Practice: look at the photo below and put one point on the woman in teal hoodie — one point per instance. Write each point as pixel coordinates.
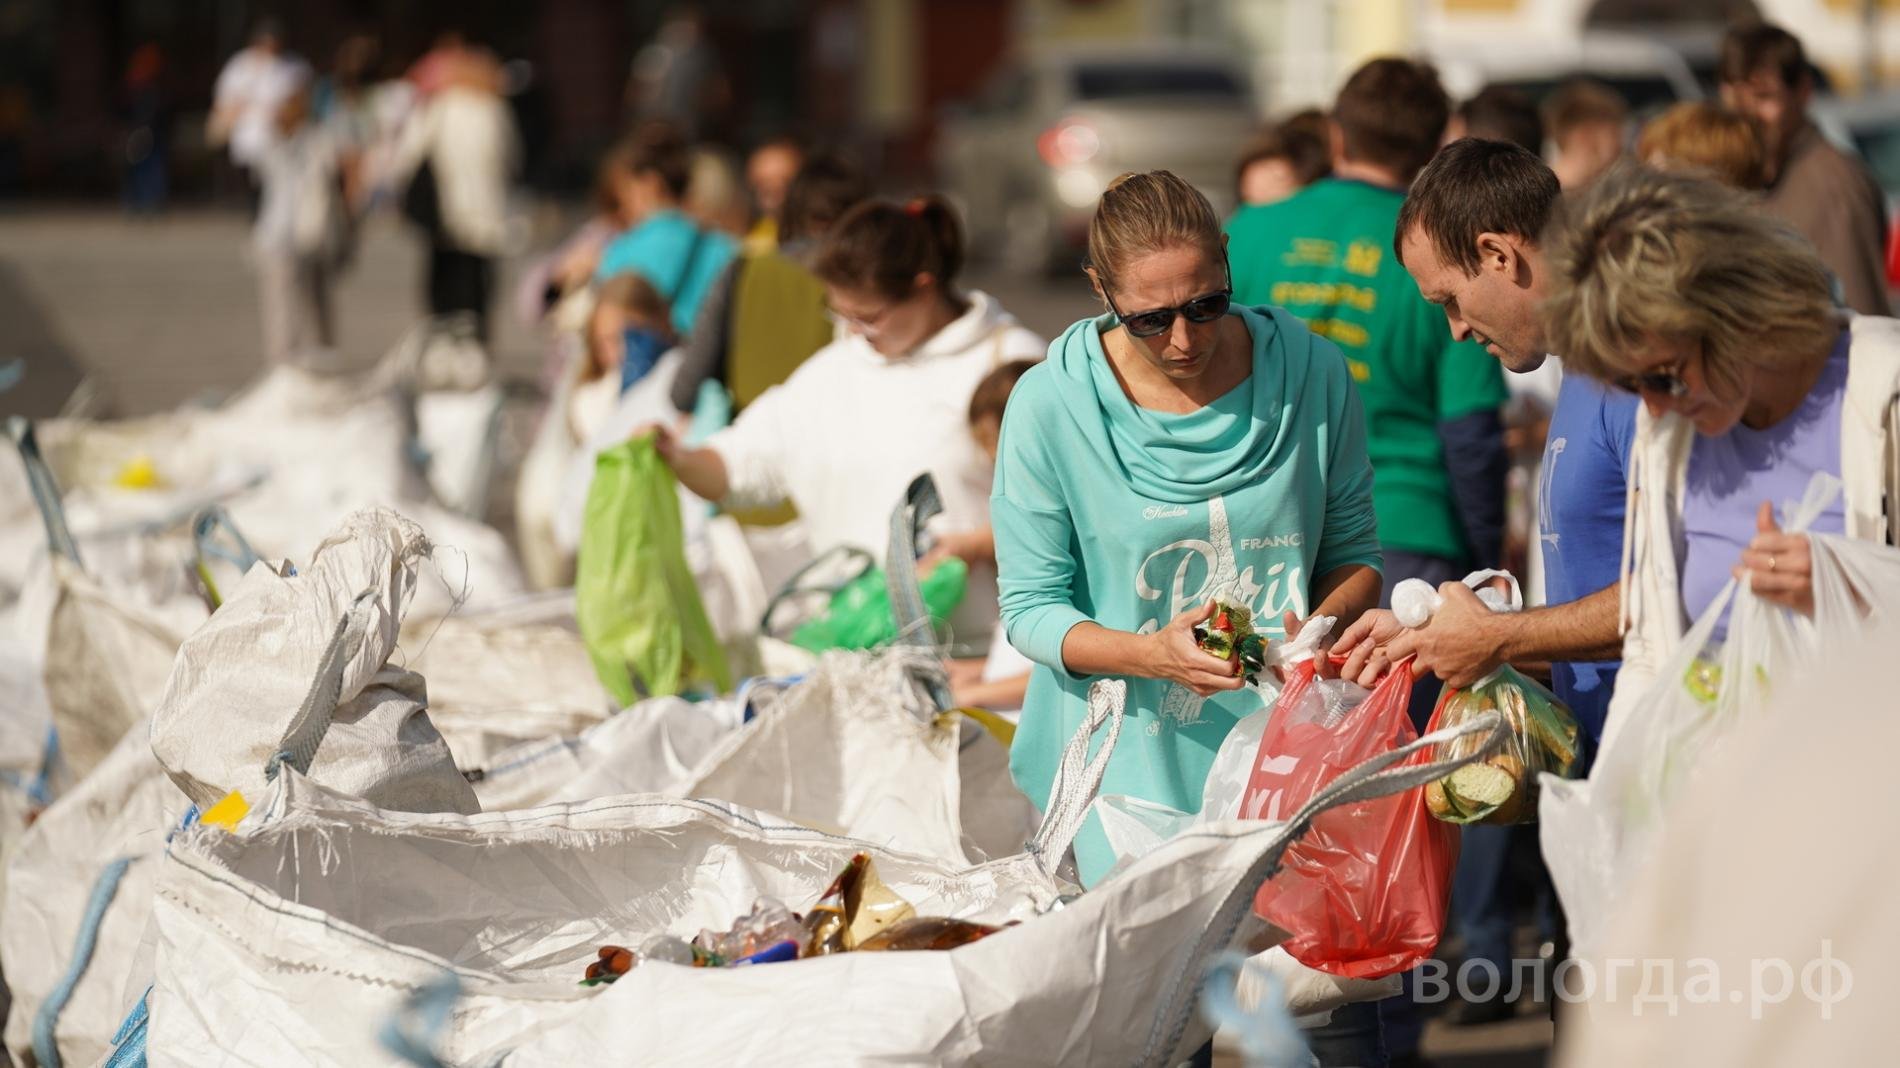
(1172, 453)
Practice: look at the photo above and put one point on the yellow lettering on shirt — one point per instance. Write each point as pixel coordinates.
(1330, 294)
(1311, 252)
(1351, 335)
(1362, 258)
(1361, 370)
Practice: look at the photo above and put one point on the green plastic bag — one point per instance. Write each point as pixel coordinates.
(860, 617)
(634, 596)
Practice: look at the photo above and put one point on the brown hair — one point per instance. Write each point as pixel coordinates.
(1747, 50)
(1474, 186)
(1709, 138)
(1143, 213)
(1391, 113)
(632, 293)
(825, 188)
(660, 148)
(1300, 140)
(1582, 102)
(992, 394)
(1643, 255)
(1504, 113)
(882, 245)
(614, 163)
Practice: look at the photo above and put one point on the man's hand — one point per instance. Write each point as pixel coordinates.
(1460, 644)
(1364, 646)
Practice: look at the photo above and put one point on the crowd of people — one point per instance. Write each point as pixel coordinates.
(1350, 381)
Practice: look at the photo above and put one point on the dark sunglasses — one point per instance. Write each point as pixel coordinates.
(1664, 383)
(1202, 309)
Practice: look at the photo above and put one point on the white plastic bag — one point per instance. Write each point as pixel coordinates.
(291, 942)
(1597, 833)
(312, 650)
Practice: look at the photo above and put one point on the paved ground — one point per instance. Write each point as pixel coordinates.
(160, 313)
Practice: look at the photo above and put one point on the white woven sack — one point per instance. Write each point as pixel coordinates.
(255, 664)
(495, 685)
(122, 811)
(292, 942)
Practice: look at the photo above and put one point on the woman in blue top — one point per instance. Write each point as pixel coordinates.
(677, 255)
(1172, 453)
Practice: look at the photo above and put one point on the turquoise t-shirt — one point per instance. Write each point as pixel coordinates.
(681, 259)
(1127, 517)
(1325, 254)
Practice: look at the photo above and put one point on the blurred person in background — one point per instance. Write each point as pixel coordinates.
(766, 313)
(678, 255)
(249, 90)
(1829, 196)
(1469, 235)
(1433, 404)
(1175, 451)
(439, 67)
(570, 266)
(301, 234)
(1698, 137)
(716, 197)
(1722, 319)
(460, 152)
(344, 98)
(677, 78)
(1499, 113)
(1290, 156)
(629, 321)
(147, 136)
(999, 680)
(769, 172)
(1585, 121)
(845, 435)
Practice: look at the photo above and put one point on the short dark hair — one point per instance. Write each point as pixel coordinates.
(1391, 113)
(662, 149)
(1761, 46)
(1581, 102)
(1476, 186)
(1504, 113)
(992, 394)
(825, 187)
(1300, 139)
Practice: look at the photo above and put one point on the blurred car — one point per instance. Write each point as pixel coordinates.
(1648, 75)
(1029, 157)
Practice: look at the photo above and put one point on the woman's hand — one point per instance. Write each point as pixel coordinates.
(1175, 655)
(973, 547)
(1778, 567)
(665, 441)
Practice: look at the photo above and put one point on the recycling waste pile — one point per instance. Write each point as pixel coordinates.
(295, 770)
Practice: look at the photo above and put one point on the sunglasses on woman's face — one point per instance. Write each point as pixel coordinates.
(1202, 309)
(1665, 382)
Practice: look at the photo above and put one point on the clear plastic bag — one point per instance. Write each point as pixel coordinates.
(1502, 788)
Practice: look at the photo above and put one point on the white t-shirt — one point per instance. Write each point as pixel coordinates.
(256, 83)
(845, 435)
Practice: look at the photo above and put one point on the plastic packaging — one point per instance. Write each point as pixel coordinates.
(926, 932)
(1502, 788)
(859, 616)
(768, 924)
(1364, 891)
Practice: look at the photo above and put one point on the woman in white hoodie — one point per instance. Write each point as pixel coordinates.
(1752, 379)
(885, 402)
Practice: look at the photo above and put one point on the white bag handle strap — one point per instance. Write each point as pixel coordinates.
(1371, 779)
(1079, 779)
(299, 745)
(1477, 579)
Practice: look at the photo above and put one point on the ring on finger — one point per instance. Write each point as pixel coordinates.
(1771, 561)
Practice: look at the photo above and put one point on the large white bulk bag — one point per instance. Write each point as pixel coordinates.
(312, 650)
(293, 941)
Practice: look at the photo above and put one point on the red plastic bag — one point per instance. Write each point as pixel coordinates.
(1364, 891)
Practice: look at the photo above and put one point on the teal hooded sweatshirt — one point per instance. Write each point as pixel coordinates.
(1126, 517)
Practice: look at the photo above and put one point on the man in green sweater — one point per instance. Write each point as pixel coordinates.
(1432, 405)
(1433, 428)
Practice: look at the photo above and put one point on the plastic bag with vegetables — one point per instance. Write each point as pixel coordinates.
(1543, 735)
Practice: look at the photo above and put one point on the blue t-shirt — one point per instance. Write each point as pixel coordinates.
(679, 258)
(1580, 512)
(1730, 476)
